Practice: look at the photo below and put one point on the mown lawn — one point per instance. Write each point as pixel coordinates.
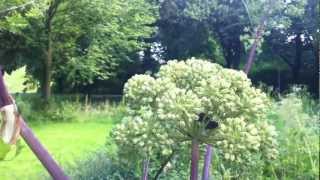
(66, 141)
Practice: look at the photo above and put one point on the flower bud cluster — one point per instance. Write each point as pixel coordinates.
(164, 109)
(269, 144)
(238, 139)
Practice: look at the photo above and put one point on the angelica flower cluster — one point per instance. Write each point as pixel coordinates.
(164, 111)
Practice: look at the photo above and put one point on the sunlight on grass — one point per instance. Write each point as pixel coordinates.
(67, 142)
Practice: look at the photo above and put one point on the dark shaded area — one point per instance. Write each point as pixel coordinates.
(207, 121)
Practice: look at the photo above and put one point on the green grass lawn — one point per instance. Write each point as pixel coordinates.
(67, 142)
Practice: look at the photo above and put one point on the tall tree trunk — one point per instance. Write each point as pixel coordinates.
(232, 53)
(226, 47)
(316, 50)
(47, 69)
(228, 57)
(257, 39)
(51, 12)
(253, 49)
(297, 62)
(194, 160)
(318, 44)
(237, 48)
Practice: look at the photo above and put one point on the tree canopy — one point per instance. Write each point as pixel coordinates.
(96, 46)
(77, 41)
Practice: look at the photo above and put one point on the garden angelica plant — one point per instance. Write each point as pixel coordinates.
(197, 102)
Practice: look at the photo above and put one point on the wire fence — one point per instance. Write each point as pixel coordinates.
(81, 98)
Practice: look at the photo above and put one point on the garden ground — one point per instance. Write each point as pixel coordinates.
(67, 142)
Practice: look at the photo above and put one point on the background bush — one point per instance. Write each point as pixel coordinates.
(99, 166)
(297, 118)
(64, 109)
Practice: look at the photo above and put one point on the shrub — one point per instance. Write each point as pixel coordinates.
(297, 118)
(33, 108)
(99, 166)
(61, 109)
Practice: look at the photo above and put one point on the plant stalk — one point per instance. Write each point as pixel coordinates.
(163, 165)
(194, 160)
(207, 163)
(145, 169)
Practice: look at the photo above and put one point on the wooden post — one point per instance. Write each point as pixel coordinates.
(42, 154)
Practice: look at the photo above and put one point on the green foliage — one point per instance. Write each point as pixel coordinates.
(273, 14)
(89, 38)
(64, 109)
(164, 112)
(99, 166)
(235, 23)
(10, 9)
(34, 108)
(296, 117)
(112, 40)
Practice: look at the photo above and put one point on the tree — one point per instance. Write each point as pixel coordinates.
(273, 15)
(38, 30)
(243, 23)
(110, 50)
(79, 41)
(7, 7)
(294, 42)
(182, 36)
(228, 20)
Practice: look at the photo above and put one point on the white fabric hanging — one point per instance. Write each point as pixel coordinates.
(9, 123)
